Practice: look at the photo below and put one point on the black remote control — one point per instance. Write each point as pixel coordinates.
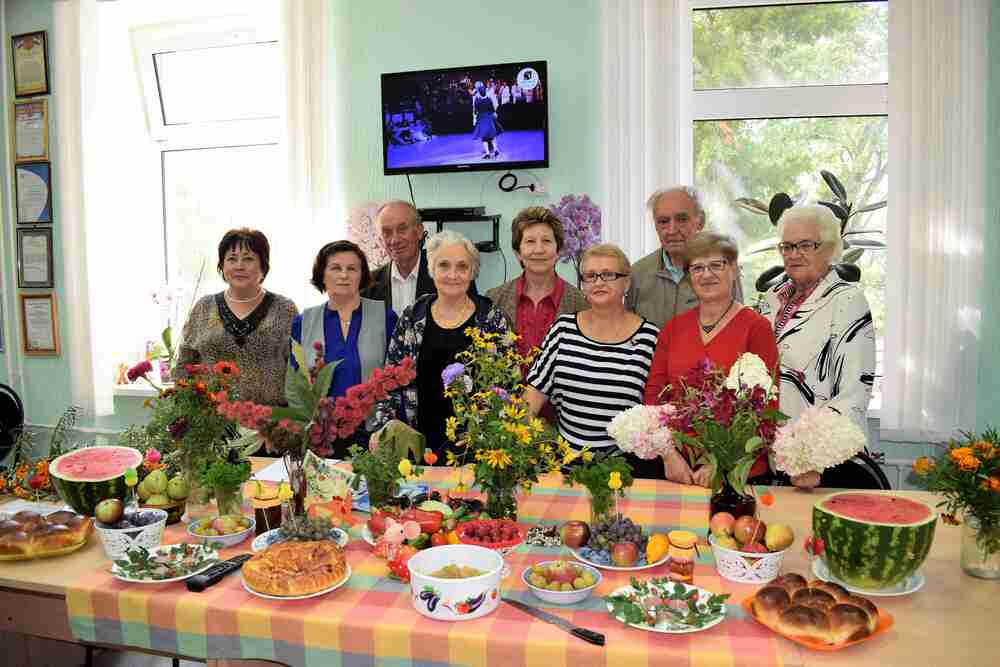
(214, 574)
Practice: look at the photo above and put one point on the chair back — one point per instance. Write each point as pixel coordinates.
(11, 419)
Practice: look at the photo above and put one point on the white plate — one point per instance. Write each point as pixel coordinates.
(911, 584)
(672, 628)
(636, 568)
(366, 535)
(337, 585)
(213, 559)
(264, 540)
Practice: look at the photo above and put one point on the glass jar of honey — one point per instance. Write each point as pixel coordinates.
(682, 554)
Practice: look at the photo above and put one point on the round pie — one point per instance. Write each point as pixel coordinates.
(295, 568)
(28, 534)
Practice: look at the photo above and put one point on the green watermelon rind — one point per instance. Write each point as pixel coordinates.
(872, 555)
(83, 495)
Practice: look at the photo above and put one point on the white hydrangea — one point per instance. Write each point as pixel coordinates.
(643, 430)
(819, 439)
(749, 371)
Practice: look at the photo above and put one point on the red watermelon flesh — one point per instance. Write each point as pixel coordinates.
(86, 476)
(877, 508)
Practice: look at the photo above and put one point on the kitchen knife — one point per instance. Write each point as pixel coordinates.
(584, 634)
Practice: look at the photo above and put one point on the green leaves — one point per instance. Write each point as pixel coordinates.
(628, 606)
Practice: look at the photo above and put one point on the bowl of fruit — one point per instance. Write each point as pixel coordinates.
(746, 549)
(120, 530)
(613, 544)
(156, 491)
(502, 535)
(560, 581)
(222, 531)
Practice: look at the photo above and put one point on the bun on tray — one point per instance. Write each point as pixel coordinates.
(816, 610)
(30, 535)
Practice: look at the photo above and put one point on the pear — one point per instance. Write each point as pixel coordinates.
(143, 490)
(156, 482)
(778, 537)
(177, 488)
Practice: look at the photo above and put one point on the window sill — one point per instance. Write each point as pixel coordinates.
(138, 390)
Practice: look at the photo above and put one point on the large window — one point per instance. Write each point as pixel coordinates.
(779, 93)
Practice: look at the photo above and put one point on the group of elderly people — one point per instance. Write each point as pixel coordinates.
(630, 334)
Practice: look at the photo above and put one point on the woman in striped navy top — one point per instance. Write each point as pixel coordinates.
(594, 364)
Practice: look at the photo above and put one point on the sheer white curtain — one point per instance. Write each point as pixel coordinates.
(646, 122)
(937, 115)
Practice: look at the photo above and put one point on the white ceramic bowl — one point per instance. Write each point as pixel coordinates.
(563, 597)
(455, 599)
(220, 541)
(117, 541)
(746, 567)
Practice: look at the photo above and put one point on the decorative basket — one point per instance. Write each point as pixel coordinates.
(746, 567)
(117, 541)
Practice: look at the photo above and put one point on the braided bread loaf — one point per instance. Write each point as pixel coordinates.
(28, 534)
(816, 610)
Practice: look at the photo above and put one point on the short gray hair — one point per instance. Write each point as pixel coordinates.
(446, 239)
(398, 202)
(826, 223)
(690, 191)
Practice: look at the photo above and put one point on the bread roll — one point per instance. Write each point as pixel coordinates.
(28, 535)
(869, 608)
(799, 621)
(791, 582)
(768, 604)
(848, 623)
(839, 593)
(62, 516)
(815, 598)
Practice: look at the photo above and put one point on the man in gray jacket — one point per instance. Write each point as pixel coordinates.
(661, 287)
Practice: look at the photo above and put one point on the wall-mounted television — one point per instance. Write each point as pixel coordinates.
(483, 118)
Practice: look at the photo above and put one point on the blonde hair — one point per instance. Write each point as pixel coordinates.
(607, 250)
(704, 244)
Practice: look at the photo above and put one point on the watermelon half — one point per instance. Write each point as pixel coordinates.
(873, 540)
(86, 476)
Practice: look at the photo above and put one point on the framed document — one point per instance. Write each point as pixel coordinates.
(31, 130)
(34, 257)
(29, 53)
(33, 188)
(39, 325)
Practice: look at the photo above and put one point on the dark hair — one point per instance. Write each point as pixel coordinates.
(252, 240)
(536, 215)
(330, 249)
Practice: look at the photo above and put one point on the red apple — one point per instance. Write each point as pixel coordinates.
(748, 529)
(624, 554)
(109, 510)
(721, 524)
(754, 548)
(562, 572)
(575, 534)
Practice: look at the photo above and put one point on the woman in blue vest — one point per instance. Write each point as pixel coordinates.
(351, 329)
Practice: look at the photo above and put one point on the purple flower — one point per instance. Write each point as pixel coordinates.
(581, 220)
(502, 393)
(450, 372)
(178, 428)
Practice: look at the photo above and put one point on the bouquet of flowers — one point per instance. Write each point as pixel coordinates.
(644, 430)
(27, 477)
(726, 418)
(581, 221)
(492, 427)
(605, 475)
(313, 420)
(819, 439)
(386, 461)
(967, 474)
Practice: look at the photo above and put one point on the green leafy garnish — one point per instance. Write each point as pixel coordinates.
(628, 607)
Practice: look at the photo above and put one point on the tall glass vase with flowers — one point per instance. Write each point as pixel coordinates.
(491, 427)
(313, 421)
(606, 476)
(967, 474)
(726, 421)
(186, 427)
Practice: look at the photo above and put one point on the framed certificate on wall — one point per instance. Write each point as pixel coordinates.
(29, 54)
(34, 257)
(39, 325)
(33, 188)
(31, 130)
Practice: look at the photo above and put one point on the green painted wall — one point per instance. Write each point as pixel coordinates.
(988, 408)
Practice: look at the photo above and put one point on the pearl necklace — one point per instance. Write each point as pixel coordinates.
(253, 298)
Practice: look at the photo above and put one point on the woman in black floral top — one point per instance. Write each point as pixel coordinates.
(244, 324)
(432, 331)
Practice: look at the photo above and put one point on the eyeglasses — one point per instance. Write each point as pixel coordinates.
(804, 247)
(714, 266)
(605, 276)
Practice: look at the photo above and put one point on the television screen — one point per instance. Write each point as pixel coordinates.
(465, 119)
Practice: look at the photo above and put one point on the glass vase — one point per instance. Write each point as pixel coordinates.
(603, 507)
(728, 500)
(198, 504)
(501, 503)
(229, 501)
(980, 551)
(380, 492)
(295, 466)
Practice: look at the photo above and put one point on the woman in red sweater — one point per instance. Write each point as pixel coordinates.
(719, 329)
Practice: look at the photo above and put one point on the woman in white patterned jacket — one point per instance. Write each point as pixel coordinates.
(823, 325)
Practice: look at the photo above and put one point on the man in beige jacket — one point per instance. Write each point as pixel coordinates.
(661, 287)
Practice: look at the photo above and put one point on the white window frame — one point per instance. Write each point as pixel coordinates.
(804, 101)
